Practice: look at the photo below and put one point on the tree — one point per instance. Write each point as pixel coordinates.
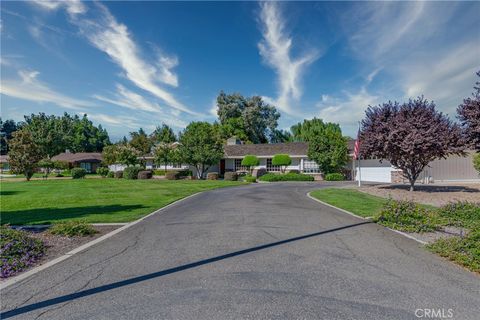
(469, 115)
(48, 134)
(250, 161)
(141, 143)
(410, 136)
(7, 128)
(200, 146)
(309, 129)
(164, 154)
(47, 165)
(110, 155)
(163, 134)
(282, 160)
(280, 136)
(24, 154)
(119, 153)
(254, 118)
(85, 137)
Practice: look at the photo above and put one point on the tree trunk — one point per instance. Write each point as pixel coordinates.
(412, 184)
(165, 168)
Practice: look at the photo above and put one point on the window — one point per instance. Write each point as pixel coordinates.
(87, 166)
(310, 166)
(238, 165)
(271, 167)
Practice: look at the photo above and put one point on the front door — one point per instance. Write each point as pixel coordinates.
(222, 166)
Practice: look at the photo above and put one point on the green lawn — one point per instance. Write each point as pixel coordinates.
(357, 202)
(92, 200)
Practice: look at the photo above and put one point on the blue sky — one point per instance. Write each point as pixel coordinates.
(138, 64)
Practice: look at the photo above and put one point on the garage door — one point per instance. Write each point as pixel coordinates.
(376, 174)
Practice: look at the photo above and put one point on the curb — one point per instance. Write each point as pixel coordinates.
(367, 218)
(87, 245)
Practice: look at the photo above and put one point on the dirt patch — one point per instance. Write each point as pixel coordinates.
(60, 245)
(435, 195)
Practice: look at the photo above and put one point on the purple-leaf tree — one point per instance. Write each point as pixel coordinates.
(469, 115)
(409, 135)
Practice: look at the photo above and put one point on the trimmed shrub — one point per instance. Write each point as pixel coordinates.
(159, 172)
(249, 178)
(18, 250)
(230, 176)
(272, 177)
(407, 216)
(103, 171)
(212, 176)
(145, 174)
(172, 175)
(282, 160)
(119, 174)
(131, 173)
(334, 176)
(250, 161)
(111, 174)
(78, 173)
(72, 229)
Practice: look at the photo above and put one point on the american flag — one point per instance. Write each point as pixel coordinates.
(356, 148)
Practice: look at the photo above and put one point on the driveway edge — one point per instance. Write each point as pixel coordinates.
(87, 245)
(367, 218)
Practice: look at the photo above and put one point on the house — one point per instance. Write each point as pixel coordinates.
(452, 169)
(89, 161)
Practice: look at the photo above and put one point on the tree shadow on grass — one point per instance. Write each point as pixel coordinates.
(8, 193)
(150, 276)
(432, 189)
(51, 215)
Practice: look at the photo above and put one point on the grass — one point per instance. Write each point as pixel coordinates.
(92, 200)
(357, 202)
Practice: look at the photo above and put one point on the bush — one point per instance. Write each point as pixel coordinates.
(172, 175)
(119, 174)
(249, 178)
(407, 216)
(461, 214)
(18, 250)
(476, 162)
(281, 160)
(145, 174)
(131, 173)
(78, 173)
(184, 173)
(159, 172)
(72, 229)
(272, 177)
(59, 175)
(212, 176)
(111, 174)
(334, 176)
(463, 250)
(103, 171)
(230, 176)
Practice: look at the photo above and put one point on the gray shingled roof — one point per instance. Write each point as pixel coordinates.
(291, 148)
(79, 157)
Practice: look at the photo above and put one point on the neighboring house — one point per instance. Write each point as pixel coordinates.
(89, 161)
(4, 165)
(452, 169)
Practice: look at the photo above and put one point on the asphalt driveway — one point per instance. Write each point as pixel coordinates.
(262, 251)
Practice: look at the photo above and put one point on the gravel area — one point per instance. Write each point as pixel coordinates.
(59, 245)
(436, 195)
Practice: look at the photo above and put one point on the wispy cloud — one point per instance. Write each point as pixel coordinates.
(28, 87)
(113, 38)
(275, 49)
(73, 7)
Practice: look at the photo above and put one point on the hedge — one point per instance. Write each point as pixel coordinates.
(272, 177)
(131, 173)
(334, 176)
(78, 173)
(103, 171)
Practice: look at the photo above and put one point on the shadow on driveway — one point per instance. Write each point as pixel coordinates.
(123, 283)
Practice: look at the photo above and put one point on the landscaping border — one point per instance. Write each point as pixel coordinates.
(87, 245)
(365, 218)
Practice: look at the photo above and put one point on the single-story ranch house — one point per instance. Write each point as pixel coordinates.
(89, 161)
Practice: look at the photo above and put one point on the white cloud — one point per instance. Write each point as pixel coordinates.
(275, 48)
(113, 38)
(73, 7)
(28, 87)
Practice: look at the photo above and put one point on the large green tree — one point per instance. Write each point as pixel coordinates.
(200, 146)
(141, 142)
(24, 153)
(7, 128)
(163, 134)
(308, 129)
(254, 119)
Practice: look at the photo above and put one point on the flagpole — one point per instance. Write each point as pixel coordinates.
(359, 166)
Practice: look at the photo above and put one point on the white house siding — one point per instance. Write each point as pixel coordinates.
(150, 165)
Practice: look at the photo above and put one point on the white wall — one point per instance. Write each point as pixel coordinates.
(374, 171)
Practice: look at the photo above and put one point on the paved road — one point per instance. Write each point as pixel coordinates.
(261, 251)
